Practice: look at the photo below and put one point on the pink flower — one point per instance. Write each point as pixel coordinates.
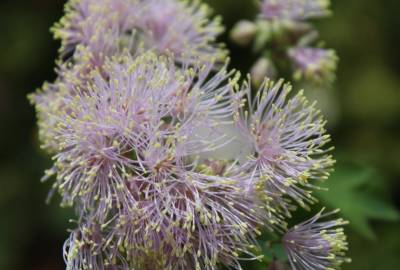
(316, 245)
(288, 139)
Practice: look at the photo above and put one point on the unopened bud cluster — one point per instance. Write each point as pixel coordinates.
(284, 37)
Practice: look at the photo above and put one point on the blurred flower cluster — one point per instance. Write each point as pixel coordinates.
(143, 104)
(285, 40)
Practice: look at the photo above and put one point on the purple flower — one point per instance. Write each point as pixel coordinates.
(127, 158)
(181, 28)
(188, 220)
(47, 101)
(316, 245)
(294, 10)
(137, 122)
(96, 25)
(93, 30)
(288, 139)
(50, 101)
(91, 247)
(314, 64)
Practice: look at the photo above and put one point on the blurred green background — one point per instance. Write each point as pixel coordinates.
(363, 109)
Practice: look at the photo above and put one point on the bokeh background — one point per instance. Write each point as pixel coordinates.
(363, 109)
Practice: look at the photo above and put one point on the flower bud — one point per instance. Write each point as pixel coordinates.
(261, 69)
(314, 64)
(243, 32)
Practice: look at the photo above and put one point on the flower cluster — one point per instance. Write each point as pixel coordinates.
(134, 121)
(284, 37)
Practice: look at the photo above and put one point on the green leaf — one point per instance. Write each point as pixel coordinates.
(263, 36)
(279, 252)
(348, 192)
(271, 251)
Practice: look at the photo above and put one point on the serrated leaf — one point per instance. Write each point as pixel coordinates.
(381, 210)
(358, 205)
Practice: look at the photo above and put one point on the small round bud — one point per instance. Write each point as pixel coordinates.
(261, 69)
(243, 32)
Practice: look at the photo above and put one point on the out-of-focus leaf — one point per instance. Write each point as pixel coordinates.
(279, 252)
(277, 265)
(263, 35)
(271, 252)
(381, 210)
(381, 107)
(347, 191)
(254, 265)
(382, 256)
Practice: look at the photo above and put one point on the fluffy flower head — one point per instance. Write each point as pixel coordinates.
(316, 245)
(288, 138)
(181, 28)
(94, 24)
(127, 157)
(97, 29)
